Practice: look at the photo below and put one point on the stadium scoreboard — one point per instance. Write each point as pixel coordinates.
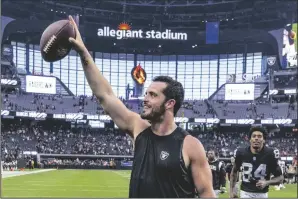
(40, 84)
(239, 91)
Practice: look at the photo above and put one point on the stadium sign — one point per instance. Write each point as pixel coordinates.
(282, 121)
(290, 91)
(207, 120)
(40, 84)
(181, 119)
(79, 117)
(267, 121)
(124, 32)
(4, 112)
(32, 114)
(99, 117)
(277, 121)
(212, 121)
(10, 82)
(273, 92)
(231, 121)
(69, 116)
(200, 120)
(74, 116)
(282, 92)
(245, 121)
(59, 116)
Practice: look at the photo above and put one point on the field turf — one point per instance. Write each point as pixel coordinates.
(88, 183)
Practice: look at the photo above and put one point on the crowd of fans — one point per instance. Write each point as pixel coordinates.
(52, 138)
(285, 81)
(59, 139)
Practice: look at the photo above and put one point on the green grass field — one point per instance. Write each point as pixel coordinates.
(296, 31)
(87, 183)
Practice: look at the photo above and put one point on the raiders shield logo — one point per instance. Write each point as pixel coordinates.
(164, 155)
(271, 61)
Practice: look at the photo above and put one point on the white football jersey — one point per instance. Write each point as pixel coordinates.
(282, 165)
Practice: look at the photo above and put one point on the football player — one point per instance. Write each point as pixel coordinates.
(282, 165)
(218, 172)
(258, 162)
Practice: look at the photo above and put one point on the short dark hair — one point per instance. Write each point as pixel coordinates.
(215, 152)
(258, 128)
(174, 90)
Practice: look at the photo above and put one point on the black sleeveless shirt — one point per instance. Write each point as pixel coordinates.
(159, 170)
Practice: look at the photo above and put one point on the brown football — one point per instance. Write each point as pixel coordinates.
(54, 43)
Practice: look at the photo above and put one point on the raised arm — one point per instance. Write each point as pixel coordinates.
(200, 168)
(124, 118)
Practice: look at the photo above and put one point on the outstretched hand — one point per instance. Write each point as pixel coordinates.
(77, 42)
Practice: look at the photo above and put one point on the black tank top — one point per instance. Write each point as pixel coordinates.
(159, 170)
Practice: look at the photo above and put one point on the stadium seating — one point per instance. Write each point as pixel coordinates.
(191, 109)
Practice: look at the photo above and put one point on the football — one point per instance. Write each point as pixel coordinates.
(54, 44)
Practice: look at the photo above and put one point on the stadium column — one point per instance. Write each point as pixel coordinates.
(244, 59)
(27, 58)
(176, 69)
(218, 65)
(51, 67)
(135, 61)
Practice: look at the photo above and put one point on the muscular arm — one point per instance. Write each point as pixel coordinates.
(276, 180)
(200, 168)
(233, 179)
(276, 171)
(125, 119)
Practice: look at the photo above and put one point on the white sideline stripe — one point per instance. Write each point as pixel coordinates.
(73, 190)
(61, 182)
(122, 174)
(10, 174)
(63, 185)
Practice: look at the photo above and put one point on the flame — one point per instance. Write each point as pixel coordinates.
(139, 74)
(124, 26)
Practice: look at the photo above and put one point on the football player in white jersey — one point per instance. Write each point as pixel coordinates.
(282, 165)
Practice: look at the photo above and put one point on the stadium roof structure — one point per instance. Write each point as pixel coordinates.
(170, 14)
(241, 21)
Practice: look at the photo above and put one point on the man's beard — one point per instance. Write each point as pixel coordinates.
(211, 159)
(155, 115)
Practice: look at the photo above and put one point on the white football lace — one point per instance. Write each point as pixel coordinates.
(49, 44)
